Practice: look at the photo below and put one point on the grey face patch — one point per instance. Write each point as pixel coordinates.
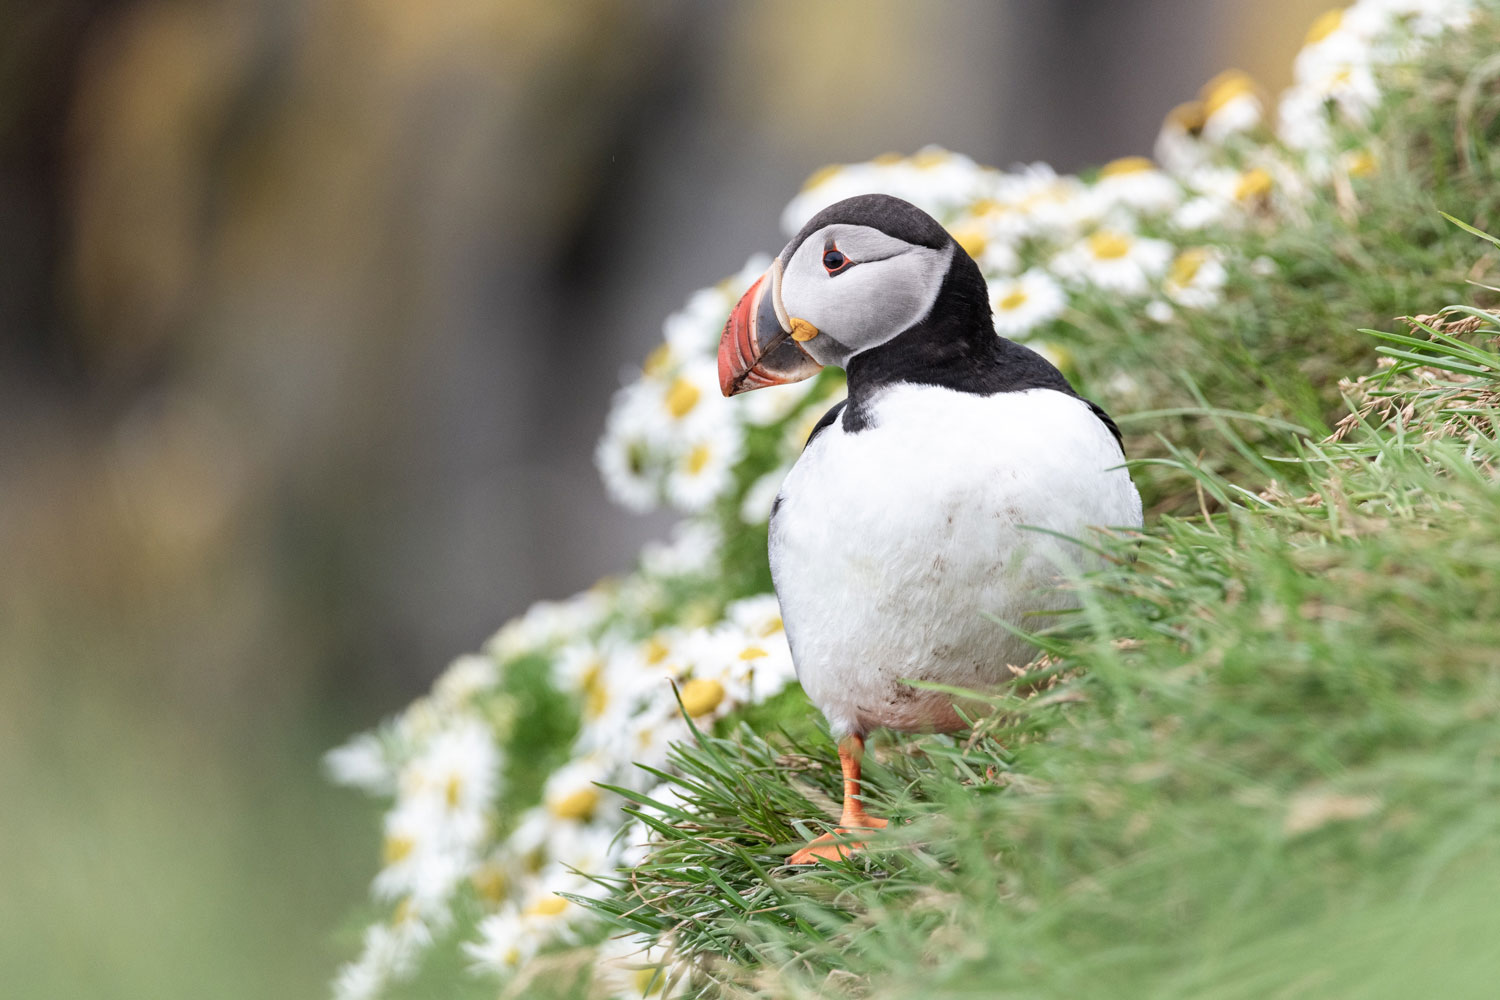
(890, 285)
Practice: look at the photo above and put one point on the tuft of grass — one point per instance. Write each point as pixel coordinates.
(1304, 280)
(1264, 759)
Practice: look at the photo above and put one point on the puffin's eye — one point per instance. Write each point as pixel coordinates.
(834, 261)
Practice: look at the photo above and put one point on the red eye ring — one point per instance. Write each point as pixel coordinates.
(834, 261)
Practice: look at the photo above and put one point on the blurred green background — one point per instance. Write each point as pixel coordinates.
(309, 314)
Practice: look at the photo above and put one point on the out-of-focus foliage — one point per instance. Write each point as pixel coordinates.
(1212, 300)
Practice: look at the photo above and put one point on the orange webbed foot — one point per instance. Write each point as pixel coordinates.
(838, 845)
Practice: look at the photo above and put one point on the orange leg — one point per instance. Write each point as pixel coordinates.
(832, 846)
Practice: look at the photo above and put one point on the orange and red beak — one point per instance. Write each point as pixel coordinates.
(757, 348)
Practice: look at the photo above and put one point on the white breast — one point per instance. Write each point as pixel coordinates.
(891, 545)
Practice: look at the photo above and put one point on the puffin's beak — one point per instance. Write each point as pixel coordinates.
(757, 348)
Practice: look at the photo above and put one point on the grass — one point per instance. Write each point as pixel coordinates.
(1284, 780)
(1264, 758)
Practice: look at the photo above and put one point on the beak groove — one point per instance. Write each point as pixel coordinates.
(756, 349)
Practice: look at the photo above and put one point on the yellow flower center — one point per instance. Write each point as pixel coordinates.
(697, 459)
(1253, 183)
(1186, 266)
(577, 805)
(1224, 88)
(649, 982)
(821, 176)
(595, 694)
(701, 696)
(682, 397)
(1326, 24)
(1189, 117)
(658, 360)
(1361, 163)
(405, 910)
(1014, 299)
(491, 884)
(453, 791)
(772, 627)
(1126, 165)
(396, 849)
(655, 650)
(551, 906)
(972, 239)
(752, 653)
(1109, 245)
(931, 158)
(887, 159)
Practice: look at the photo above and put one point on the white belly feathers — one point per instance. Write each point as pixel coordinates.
(891, 545)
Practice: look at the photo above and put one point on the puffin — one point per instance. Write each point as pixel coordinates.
(949, 491)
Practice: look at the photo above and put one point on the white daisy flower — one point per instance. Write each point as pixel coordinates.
(590, 850)
(1222, 195)
(761, 667)
(650, 733)
(759, 498)
(998, 257)
(693, 331)
(1196, 278)
(758, 616)
(459, 772)
(440, 820)
(466, 677)
(571, 794)
(692, 549)
(1179, 145)
(362, 763)
(1024, 303)
(939, 182)
(1158, 311)
(624, 457)
(389, 954)
(545, 915)
(1201, 212)
(1231, 106)
(421, 862)
(702, 470)
(505, 942)
(1134, 183)
(689, 395)
(526, 848)
(632, 969)
(549, 623)
(1334, 41)
(1036, 202)
(1114, 260)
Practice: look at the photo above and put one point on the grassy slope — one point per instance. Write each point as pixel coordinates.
(1286, 781)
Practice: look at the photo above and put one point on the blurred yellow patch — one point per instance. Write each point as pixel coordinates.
(1224, 88)
(579, 805)
(1253, 183)
(681, 397)
(1107, 244)
(701, 696)
(1126, 165)
(1324, 25)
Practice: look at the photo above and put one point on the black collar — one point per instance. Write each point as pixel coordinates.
(954, 346)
